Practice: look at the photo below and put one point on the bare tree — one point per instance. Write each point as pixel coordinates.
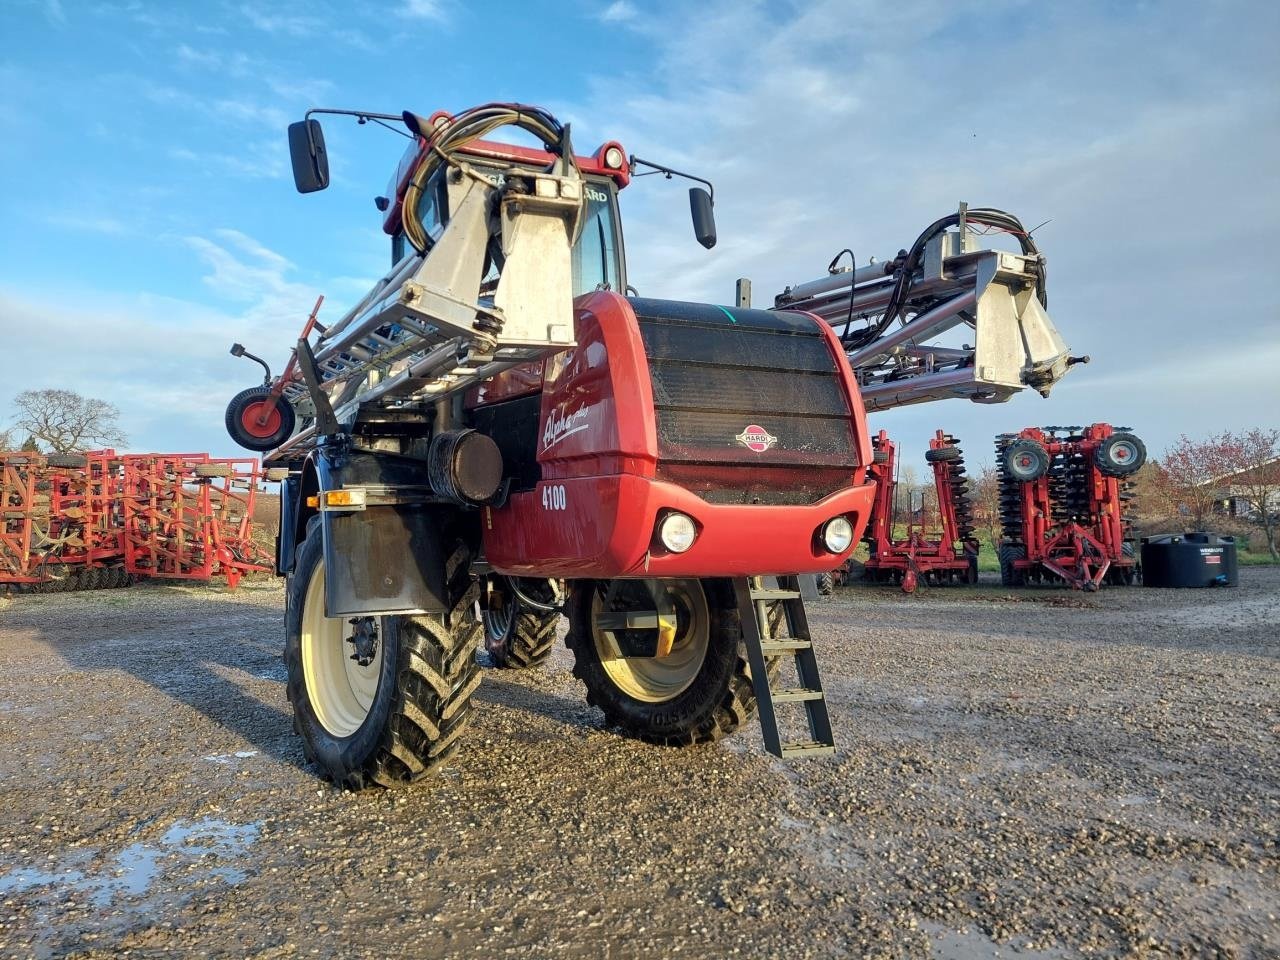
(1192, 475)
(7, 439)
(66, 421)
(984, 494)
(1253, 458)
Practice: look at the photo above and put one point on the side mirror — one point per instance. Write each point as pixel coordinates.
(704, 218)
(306, 150)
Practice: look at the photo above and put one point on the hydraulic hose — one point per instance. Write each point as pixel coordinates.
(444, 141)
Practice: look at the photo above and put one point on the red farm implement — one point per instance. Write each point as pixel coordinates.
(946, 554)
(98, 519)
(1062, 497)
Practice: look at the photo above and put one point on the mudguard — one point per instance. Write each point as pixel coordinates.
(387, 559)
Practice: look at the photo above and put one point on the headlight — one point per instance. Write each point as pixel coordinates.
(613, 158)
(837, 535)
(677, 532)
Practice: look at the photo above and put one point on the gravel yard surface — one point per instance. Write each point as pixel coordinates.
(1037, 774)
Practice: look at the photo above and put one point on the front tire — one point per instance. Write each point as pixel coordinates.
(396, 715)
(700, 692)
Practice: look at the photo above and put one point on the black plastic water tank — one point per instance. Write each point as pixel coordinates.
(1190, 560)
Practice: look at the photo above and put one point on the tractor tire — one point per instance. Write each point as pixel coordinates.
(700, 693)
(1120, 455)
(516, 635)
(68, 461)
(942, 455)
(396, 718)
(1010, 576)
(242, 420)
(826, 583)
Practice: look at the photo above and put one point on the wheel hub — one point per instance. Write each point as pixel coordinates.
(365, 640)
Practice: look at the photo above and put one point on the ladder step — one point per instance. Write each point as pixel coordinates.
(775, 594)
(795, 695)
(785, 645)
(807, 748)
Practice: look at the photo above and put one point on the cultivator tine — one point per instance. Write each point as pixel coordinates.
(87, 520)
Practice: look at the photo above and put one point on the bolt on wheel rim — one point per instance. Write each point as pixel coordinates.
(658, 679)
(340, 691)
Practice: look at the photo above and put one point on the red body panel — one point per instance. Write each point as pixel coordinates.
(594, 512)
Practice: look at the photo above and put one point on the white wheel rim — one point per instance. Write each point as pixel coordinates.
(340, 691)
(658, 679)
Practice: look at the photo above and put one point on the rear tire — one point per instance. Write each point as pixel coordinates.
(396, 719)
(650, 703)
(826, 584)
(517, 636)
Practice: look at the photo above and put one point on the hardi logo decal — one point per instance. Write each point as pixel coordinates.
(756, 438)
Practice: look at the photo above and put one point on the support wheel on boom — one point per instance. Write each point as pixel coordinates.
(378, 700)
(517, 635)
(698, 691)
(257, 422)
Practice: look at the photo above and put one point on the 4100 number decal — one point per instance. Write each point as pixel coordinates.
(553, 497)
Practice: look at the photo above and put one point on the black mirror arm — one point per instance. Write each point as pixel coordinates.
(362, 116)
(668, 172)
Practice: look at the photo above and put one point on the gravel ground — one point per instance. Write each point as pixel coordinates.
(1038, 775)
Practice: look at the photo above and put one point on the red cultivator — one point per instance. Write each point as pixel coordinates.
(98, 519)
(1062, 495)
(951, 553)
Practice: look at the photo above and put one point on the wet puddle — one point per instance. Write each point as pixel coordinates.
(132, 871)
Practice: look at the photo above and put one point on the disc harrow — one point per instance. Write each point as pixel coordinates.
(1064, 494)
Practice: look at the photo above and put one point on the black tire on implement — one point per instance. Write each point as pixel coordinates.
(1120, 455)
(516, 635)
(717, 702)
(942, 454)
(68, 461)
(826, 583)
(422, 703)
(1010, 576)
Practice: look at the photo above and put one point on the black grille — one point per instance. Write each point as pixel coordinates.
(718, 371)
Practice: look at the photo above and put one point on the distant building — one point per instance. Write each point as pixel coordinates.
(1235, 490)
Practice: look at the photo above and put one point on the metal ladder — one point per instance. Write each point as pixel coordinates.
(753, 597)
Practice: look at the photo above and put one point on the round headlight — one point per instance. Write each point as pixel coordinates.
(677, 532)
(613, 158)
(837, 535)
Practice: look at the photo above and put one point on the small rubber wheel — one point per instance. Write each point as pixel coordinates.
(1120, 455)
(1025, 460)
(247, 408)
(942, 454)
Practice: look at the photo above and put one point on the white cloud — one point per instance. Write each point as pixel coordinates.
(830, 125)
(620, 11)
(162, 360)
(88, 224)
(424, 10)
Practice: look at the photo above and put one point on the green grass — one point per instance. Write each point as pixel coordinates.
(1247, 558)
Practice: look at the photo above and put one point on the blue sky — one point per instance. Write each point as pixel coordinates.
(148, 217)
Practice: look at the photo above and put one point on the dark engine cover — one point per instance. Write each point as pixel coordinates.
(735, 387)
